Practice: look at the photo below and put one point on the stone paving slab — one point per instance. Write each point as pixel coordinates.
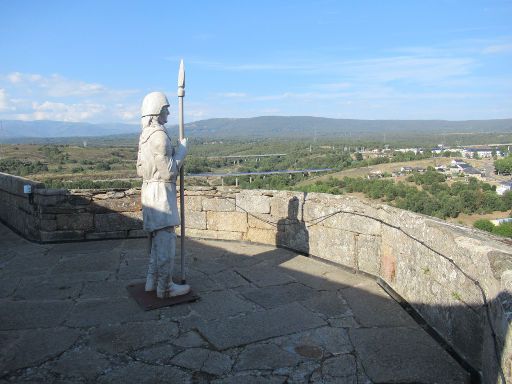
(265, 315)
(232, 332)
(404, 355)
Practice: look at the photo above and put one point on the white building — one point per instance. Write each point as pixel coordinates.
(504, 187)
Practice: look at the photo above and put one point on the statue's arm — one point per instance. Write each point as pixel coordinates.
(139, 162)
(181, 152)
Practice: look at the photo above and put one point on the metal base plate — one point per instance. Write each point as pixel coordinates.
(148, 300)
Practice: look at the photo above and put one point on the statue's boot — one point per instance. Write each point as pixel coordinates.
(164, 243)
(151, 277)
(178, 289)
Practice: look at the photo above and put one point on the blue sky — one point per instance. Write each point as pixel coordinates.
(94, 61)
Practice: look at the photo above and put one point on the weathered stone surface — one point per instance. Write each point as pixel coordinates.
(265, 356)
(263, 236)
(87, 263)
(126, 220)
(81, 363)
(158, 354)
(106, 235)
(262, 221)
(327, 304)
(226, 333)
(218, 305)
(204, 360)
(368, 254)
(34, 288)
(369, 299)
(334, 245)
(88, 313)
(193, 203)
(32, 347)
(287, 205)
(103, 289)
(404, 355)
(274, 296)
(227, 221)
(32, 314)
(129, 337)
(251, 378)
(61, 236)
(116, 204)
(230, 279)
(219, 204)
(139, 373)
(213, 234)
(338, 369)
(317, 343)
(252, 202)
(195, 220)
(190, 340)
(263, 275)
(48, 225)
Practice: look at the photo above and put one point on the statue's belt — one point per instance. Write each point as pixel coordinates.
(159, 181)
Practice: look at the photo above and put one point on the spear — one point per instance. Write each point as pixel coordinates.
(181, 95)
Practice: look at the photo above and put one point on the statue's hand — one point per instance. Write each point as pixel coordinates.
(184, 142)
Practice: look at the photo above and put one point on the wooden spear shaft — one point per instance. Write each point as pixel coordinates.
(181, 95)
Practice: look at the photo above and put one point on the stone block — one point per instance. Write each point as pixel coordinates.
(130, 203)
(193, 203)
(51, 200)
(106, 222)
(237, 331)
(75, 221)
(219, 204)
(294, 235)
(195, 220)
(209, 234)
(262, 221)
(252, 202)
(227, 221)
(110, 195)
(137, 233)
(48, 225)
(106, 235)
(287, 205)
(263, 236)
(333, 244)
(61, 236)
(368, 253)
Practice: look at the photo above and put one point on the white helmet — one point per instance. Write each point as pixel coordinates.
(153, 104)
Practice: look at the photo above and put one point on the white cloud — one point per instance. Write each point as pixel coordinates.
(59, 86)
(498, 48)
(54, 97)
(234, 95)
(48, 110)
(4, 102)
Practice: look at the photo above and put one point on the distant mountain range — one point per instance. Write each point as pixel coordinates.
(261, 127)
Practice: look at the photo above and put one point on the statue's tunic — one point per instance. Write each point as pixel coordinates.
(159, 164)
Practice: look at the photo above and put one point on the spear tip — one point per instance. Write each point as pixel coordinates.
(181, 75)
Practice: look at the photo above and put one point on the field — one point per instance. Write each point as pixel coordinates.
(102, 166)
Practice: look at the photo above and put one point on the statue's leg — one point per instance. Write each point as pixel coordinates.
(175, 289)
(164, 244)
(152, 266)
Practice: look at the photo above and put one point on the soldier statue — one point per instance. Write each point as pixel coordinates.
(159, 163)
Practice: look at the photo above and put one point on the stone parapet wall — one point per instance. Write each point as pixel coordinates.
(442, 270)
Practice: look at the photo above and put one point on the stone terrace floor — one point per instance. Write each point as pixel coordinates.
(266, 315)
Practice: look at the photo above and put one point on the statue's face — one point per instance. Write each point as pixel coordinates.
(162, 118)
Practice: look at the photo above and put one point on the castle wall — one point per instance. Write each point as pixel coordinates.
(442, 270)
